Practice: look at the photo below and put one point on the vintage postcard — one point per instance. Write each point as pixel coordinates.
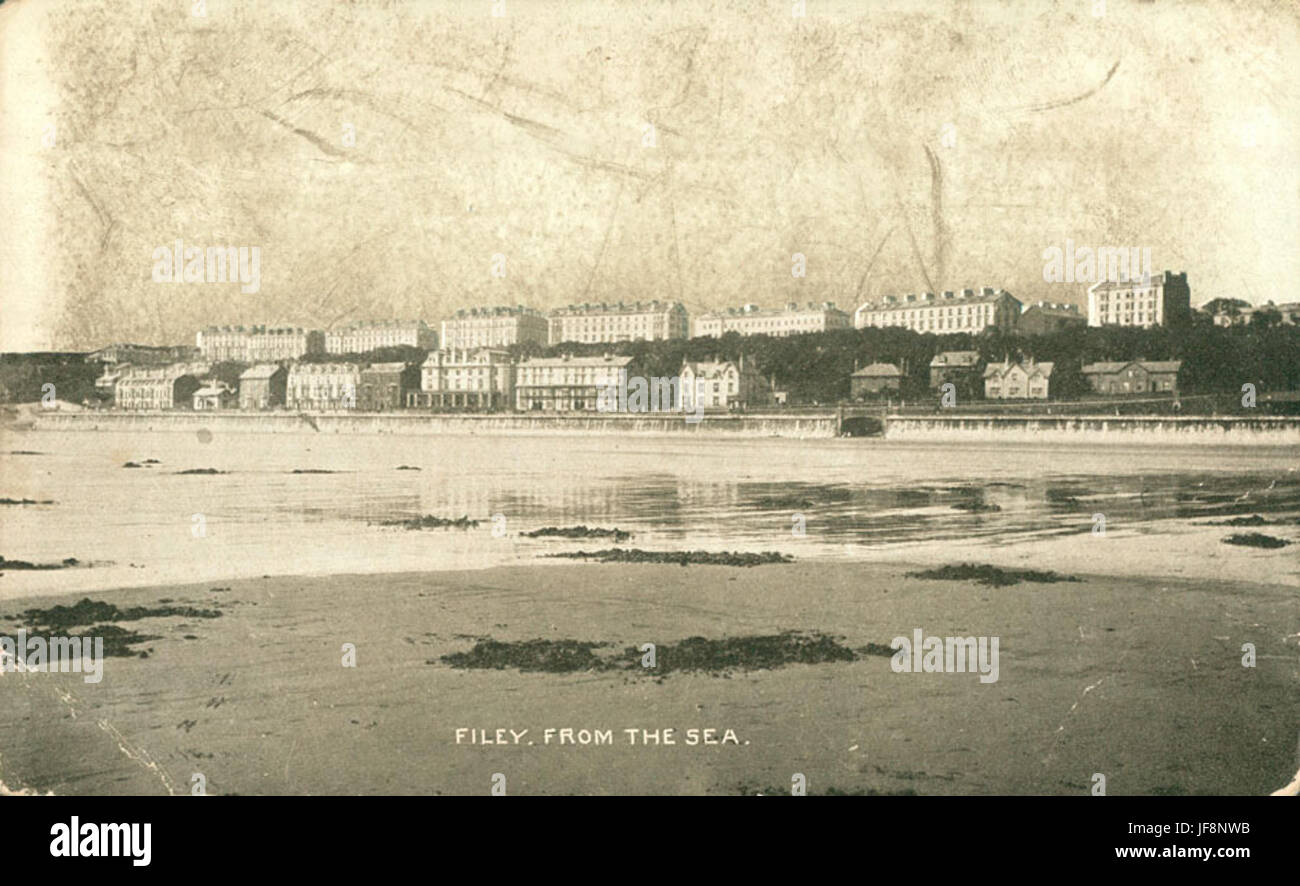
(508, 397)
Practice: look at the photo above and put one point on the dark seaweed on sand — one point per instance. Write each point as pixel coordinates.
(1254, 520)
(201, 471)
(578, 532)
(87, 611)
(552, 656)
(15, 565)
(681, 558)
(701, 654)
(118, 641)
(431, 522)
(692, 655)
(990, 575)
(1255, 540)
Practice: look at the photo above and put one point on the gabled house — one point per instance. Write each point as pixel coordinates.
(1017, 381)
(722, 384)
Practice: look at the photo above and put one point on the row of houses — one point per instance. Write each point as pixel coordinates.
(1018, 380)
(1155, 301)
(476, 380)
(596, 323)
(487, 380)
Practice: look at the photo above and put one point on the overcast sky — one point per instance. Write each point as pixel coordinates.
(380, 154)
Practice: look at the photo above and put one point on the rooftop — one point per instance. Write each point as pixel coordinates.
(757, 311)
(878, 370)
(1106, 368)
(261, 370)
(956, 358)
(1163, 279)
(379, 324)
(929, 299)
(497, 311)
(546, 362)
(1030, 367)
(618, 308)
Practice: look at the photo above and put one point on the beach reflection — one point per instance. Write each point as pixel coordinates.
(260, 517)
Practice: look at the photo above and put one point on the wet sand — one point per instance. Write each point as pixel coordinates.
(1136, 678)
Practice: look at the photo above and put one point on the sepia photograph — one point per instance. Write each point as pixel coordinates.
(860, 398)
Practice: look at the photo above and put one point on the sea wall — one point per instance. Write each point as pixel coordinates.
(1165, 430)
(749, 425)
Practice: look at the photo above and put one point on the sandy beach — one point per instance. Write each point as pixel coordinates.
(1140, 679)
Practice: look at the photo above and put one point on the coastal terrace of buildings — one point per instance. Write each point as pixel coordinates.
(474, 371)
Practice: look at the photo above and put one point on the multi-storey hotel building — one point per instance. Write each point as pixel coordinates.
(498, 327)
(567, 384)
(258, 344)
(649, 321)
(483, 379)
(792, 320)
(950, 312)
(323, 386)
(1161, 300)
(362, 337)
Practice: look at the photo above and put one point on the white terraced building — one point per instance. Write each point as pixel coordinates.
(568, 384)
(637, 321)
(950, 312)
(323, 386)
(498, 327)
(369, 336)
(159, 387)
(793, 319)
(258, 344)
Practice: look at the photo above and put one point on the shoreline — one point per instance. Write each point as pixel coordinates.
(1137, 678)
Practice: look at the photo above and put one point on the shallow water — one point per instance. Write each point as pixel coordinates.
(152, 525)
